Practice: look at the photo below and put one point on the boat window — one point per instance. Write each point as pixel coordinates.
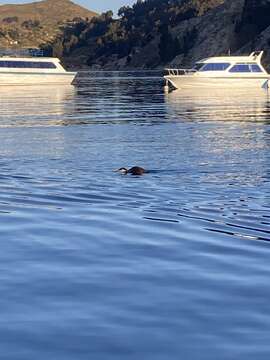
(255, 68)
(215, 67)
(27, 64)
(240, 68)
(246, 68)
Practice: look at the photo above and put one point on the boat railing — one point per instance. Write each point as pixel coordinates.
(179, 72)
(29, 52)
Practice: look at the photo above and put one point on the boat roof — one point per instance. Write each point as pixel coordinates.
(37, 59)
(35, 54)
(253, 57)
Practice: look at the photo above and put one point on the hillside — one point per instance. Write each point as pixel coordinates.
(133, 40)
(237, 25)
(150, 34)
(158, 33)
(33, 24)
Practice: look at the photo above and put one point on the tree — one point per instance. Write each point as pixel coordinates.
(168, 46)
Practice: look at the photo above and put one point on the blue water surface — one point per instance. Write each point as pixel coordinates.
(171, 265)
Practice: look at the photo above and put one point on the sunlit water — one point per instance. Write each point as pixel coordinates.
(171, 265)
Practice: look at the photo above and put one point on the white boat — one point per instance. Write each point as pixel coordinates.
(25, 70)
(220, 72)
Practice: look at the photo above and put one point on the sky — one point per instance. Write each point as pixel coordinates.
(103, 5)
(97, 5)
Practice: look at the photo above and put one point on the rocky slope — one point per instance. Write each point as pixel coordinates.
(33, 24)
(158, 33)
(140, 38)
(238, 26)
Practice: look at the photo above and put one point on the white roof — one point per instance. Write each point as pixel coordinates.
(253, 57)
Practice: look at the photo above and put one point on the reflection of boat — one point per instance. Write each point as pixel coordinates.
(223, 71)
(35, 105)
(33, 71)
(245, 105)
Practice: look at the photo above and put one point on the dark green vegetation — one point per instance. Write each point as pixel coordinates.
(157, 33)
(144, 26)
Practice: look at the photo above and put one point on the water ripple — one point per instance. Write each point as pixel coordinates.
(171, 264)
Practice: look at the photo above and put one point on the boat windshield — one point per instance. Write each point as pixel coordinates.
(197, 66)
(215, 67)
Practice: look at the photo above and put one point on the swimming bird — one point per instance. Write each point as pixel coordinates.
(135, 170)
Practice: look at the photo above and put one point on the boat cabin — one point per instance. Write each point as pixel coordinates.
(27, 64)
(232, 64)
(227, 65)
(28, 59)
(30, 67)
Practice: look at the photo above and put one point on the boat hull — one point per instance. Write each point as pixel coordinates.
(9, 78)
(185, 82)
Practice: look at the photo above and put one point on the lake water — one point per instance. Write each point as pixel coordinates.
(171, 265)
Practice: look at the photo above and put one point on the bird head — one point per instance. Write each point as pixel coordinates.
(122, 171)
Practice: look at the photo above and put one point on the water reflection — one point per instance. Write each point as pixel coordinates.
(121, 98)
(219, 105)
(117, 97)
(35, 105)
